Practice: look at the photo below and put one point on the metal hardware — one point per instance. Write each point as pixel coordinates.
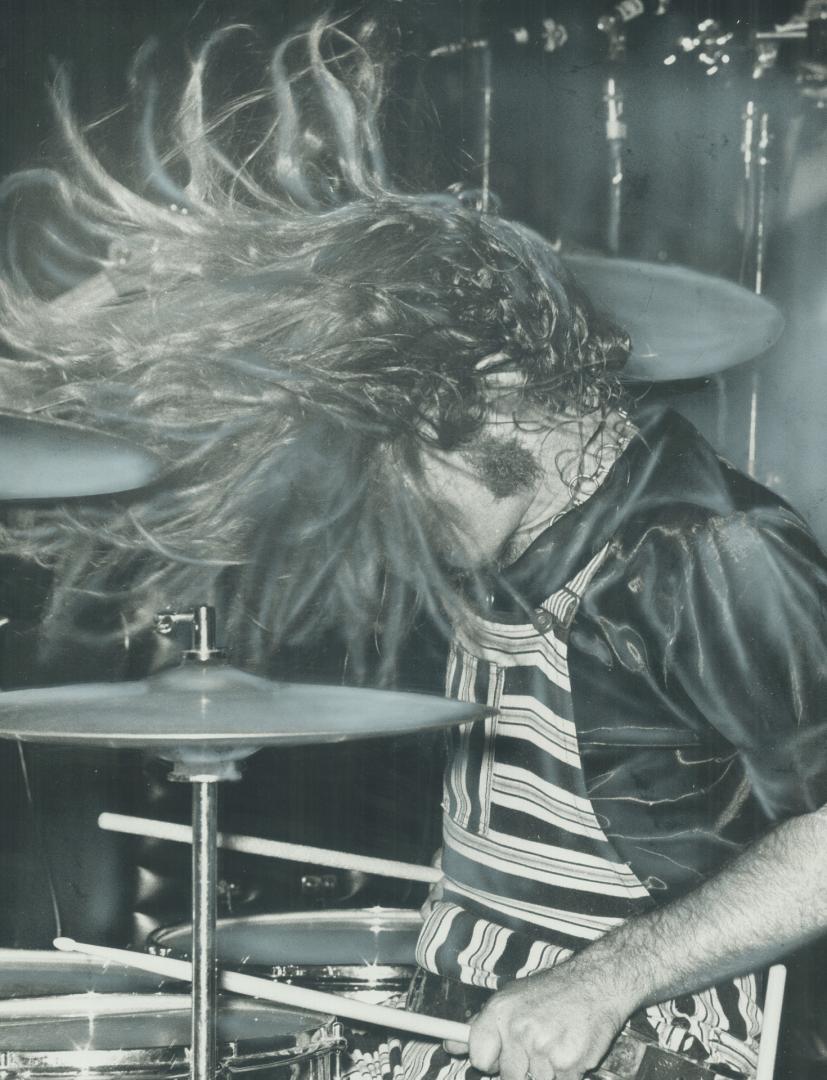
(616, 140)
(201, 621)
(319, 884)
(204, 861)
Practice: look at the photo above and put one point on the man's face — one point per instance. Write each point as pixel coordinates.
(486, 491)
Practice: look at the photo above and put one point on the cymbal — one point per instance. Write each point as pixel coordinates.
(683, 324)
(50, 460)
(215, 712)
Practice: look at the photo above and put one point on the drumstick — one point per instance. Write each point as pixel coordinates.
(773, 1001)
(62, 1006)
(273, 849)
(296, 997)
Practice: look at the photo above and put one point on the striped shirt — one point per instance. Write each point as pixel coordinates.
(529, 873)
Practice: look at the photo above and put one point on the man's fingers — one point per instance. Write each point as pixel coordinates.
(541, 1069)
(457, 1048)
(485, 1045)
(513, 1063)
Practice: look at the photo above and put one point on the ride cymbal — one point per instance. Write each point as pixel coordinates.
(683, 324)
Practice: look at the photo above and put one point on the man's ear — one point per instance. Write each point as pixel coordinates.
(497, 370)
(502, 385)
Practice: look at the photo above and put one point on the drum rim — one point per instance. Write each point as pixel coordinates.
(90, 1062)
(321, 1038)
(395, 974)
(396, 918)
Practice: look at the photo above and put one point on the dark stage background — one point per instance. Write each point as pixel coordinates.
(684, 201)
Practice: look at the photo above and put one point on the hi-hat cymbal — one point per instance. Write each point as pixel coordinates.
(683, 324)
(48, 460)
(205, 712)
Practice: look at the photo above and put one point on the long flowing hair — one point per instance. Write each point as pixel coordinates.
(286, 328)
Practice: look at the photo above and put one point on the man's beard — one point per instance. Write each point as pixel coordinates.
(505, 466)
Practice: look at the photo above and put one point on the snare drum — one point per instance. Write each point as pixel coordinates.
(368, 954)
(147, 1036)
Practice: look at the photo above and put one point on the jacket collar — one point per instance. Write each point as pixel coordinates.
(663, 461)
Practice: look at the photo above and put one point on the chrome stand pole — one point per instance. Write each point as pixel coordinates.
(616, 141)
(611, 25)
(487, 95)
(755, 149)
(204, 862)
(203, 771)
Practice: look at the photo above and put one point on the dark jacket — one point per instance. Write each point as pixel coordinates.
(698, 656)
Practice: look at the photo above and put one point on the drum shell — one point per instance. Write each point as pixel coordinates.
(369, 957)
(84, 1043)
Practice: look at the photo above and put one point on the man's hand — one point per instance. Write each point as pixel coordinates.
(556, 1025)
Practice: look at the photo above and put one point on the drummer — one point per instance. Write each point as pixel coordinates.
(371, 400)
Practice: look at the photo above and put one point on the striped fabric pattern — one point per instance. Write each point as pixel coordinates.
(529, 874)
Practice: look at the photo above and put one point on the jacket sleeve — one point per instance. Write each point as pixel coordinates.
(744, 613)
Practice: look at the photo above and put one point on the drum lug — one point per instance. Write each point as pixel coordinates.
(337, 1030)
(319, 884)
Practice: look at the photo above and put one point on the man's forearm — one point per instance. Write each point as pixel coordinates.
(770, 899)
(561, 1022)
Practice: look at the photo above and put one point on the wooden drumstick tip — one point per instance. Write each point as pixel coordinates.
(66, 944)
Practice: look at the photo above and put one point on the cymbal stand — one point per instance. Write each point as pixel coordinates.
(482, 46)
(204, 775)
(755, 149)
(810, 29)
(616, 140)
(615, 127)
